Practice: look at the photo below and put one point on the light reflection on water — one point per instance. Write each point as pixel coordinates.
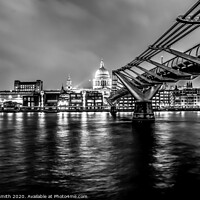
(101, 156)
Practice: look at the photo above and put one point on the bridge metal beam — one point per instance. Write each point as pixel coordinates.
(161, 73)
(173, 71)
(179, 54)
(196, 20)
(133, 78)
(118, 94)
(144, 78)
(130, 87)
(138, 94)
(160, 78)
(143, 84)
(183, 55)
(109, 101)
(149, 94)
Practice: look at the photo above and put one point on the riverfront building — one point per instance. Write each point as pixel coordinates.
(102, 83)
(187, 98)
(31, 96)
(91, 100)
(70, 100)
(126, 103)
(36, 86)
(182, 98)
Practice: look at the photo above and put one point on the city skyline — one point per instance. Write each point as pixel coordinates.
(47, 40)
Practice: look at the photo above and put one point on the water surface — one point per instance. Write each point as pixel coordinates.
(100, 156)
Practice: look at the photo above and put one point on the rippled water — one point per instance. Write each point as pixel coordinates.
(100, 156)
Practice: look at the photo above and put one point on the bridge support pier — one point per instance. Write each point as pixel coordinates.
(143, 111)
(113, 110)
(143, 104)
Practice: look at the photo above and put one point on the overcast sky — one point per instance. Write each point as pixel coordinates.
(49, 39)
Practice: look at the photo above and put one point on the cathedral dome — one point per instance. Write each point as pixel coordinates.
(102, 78)
(102, 72)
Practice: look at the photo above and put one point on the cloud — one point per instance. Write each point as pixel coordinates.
(49, 39)
(22, 7)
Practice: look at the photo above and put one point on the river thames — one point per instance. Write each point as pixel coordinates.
(97, 156)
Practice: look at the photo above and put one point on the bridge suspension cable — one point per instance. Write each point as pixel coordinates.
(184, 25)
(171, 70)
(144, 85)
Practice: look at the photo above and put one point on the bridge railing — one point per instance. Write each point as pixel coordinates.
(184, 26)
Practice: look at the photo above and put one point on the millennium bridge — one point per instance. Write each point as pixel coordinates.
(134, 78)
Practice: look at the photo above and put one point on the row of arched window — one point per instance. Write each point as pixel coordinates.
(102, 83)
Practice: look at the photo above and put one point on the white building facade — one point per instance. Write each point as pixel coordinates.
(102, 82)
(102, 79)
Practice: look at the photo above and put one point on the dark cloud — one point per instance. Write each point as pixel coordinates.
(49, 39)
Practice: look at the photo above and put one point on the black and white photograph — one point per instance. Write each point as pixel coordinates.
(99, 99)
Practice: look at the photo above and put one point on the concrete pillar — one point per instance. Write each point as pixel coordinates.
(143, 104)
(143, 111)
(113, 110)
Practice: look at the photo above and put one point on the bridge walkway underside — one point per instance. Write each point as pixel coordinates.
(144, 85)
